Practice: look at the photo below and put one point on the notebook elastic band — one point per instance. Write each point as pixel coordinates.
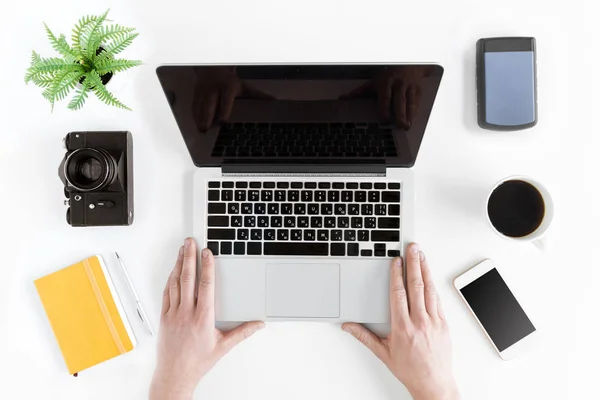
(103, 308)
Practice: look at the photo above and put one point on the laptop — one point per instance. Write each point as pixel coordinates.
(303, 191)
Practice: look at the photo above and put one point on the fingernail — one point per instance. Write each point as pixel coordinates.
(187, 243)
(205, 253)
(398, 262)
(414, 248)
(422, 256)
(181, 251)
(259, 327)
(346, 329)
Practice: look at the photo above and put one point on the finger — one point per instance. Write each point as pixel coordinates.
(431, 296)
(384, 97)
(414, 282)
(398, 299)
(253, 93)
(206, 284)
(361, 91)
(209, 107)
(187, 280)
(166, 302)
(368, 338)
(413, 100)
(239, 334)
(400, 118)
(174, 296)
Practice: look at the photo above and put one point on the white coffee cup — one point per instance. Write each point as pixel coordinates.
(538, 235)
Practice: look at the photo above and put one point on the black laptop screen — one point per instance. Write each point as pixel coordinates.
(302, 113)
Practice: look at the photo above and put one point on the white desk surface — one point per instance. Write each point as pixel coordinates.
(457, 165)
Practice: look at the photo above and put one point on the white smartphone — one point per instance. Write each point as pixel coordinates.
(496, 309)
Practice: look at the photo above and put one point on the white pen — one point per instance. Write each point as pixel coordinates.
(140, 310)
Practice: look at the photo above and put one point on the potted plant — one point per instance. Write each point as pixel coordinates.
(87, 65)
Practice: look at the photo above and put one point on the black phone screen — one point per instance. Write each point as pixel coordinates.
(497, 309)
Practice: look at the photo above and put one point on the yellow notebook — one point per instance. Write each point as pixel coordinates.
(86, 314)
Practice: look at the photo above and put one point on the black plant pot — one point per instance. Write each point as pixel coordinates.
(106, 77)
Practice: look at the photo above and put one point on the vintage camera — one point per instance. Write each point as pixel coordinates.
(97, 172)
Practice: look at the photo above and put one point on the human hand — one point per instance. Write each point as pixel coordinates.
(418, 349)
(189, 345)
(215, 93)
(397, 89)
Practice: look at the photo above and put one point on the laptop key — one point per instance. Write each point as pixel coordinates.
(283, 234)
(296, 249)
(324, 185)
(353, 209)
(336, 235)
(217, 208)
(213, 195)
(220, 234)
(380, 185)
(240, 195)
(310, 235)
(333, 196)
(343, 222)
(320, 196)
(280, 195)
(228, 185)
(373, 197)
(366, 253)
(254, 248)
(266, 195)
(390, 197)
(385, 236)
(379, 250)
(296, 185)
(313, 209)
(269, 185)
(218, 220)
(250, 221)
(393, 253)
(356, 222)
(393, 209)
(384, 223)
(337, 185)
(289, 222)
(380, 209)
(294, 195)
(360, 196)
(239, 248)
(307, 196)
(338, 249)
(296, 234)
(353, 249)
(233, 208)
(241, 185)
(316, 222)
(276, 222)
(322, 235)
(370, 222)
(213, 185)
(260, 208)
(269, 234)
(263, 222)
(273, 208)
(340, 209)
(253, 195)
(363, 236)
(246, 208)
(226, 247)
(329, 222)
(283, 185)
(255, 185)
(256, 234)
(302, 222)
(214, 247)
(366, 185)
(351, 185)
(366, 209)
(393, 185)
(326, 209)
(350, 235)
(347, 196)
(287, 209)
(236, 221)
(227, 195)
(310, 185)
(243, 234)
(300, 209)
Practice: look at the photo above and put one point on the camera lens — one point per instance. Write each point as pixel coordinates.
(90, 169)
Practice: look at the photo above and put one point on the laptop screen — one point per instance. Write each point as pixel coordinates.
(301, 113)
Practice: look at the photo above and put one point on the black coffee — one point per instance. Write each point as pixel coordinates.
(516, 208)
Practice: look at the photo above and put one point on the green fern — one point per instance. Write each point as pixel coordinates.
(89, 58)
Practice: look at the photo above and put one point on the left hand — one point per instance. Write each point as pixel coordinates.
(189, 345)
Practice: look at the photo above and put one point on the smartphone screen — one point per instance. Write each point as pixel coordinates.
(497, 309)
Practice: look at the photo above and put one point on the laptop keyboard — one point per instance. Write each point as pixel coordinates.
(304, 218)
(364, 140)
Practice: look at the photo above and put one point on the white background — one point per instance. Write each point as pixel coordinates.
(457, 165)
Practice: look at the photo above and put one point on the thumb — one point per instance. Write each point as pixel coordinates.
(239, 334)
(368, 338)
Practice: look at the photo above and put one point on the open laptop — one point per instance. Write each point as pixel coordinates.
(303, 191)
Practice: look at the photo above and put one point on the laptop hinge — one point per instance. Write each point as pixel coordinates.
(304, 169)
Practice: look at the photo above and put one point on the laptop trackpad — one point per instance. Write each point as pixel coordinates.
(303, 290)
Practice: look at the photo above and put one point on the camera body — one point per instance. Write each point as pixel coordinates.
(97, 172)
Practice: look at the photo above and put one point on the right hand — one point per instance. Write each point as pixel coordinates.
(215, 93)
(418, 349)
